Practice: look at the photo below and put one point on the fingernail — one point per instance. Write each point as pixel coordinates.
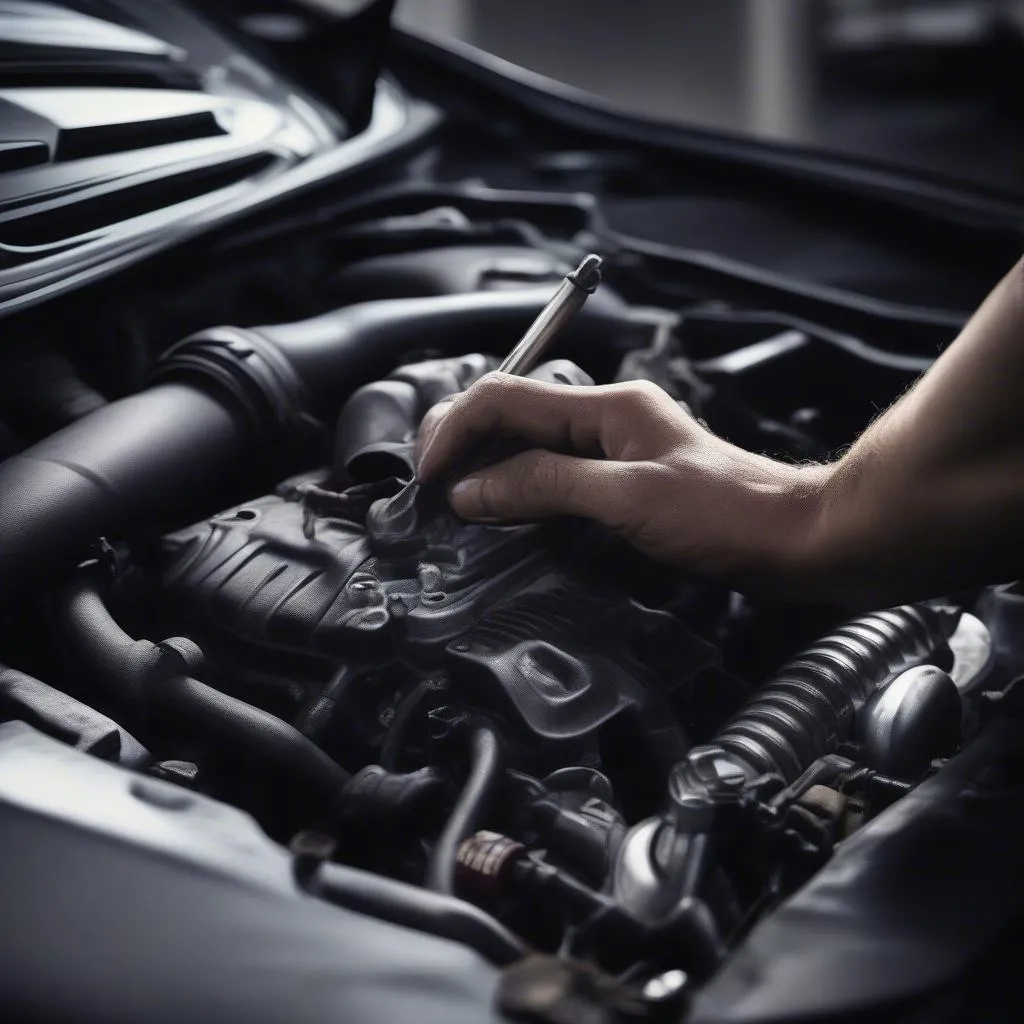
(421, 449)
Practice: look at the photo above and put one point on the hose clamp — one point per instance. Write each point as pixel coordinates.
(258, 377)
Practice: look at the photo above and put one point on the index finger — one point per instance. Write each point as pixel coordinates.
(557, 416)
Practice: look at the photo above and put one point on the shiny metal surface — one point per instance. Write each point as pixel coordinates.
(974, 654)
(807, 710)
(912, 721)
(569, 298)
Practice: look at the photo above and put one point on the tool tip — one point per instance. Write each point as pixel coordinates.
(588, 274)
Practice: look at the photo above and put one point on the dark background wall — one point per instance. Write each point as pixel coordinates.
(936, 84)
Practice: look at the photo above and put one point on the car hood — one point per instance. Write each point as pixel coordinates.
(125, 126)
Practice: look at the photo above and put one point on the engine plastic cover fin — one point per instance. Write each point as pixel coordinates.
(571, 656)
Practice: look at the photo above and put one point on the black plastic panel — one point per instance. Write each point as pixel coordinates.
(571, 656)
(128, 131)
(129, 899)
(909, 903)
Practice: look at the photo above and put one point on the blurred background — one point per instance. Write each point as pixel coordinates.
(937, 85)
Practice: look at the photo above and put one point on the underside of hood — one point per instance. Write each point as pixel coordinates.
(126, 124)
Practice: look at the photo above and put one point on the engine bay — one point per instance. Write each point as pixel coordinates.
(632, 793)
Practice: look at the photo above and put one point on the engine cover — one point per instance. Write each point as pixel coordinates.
(304, 593)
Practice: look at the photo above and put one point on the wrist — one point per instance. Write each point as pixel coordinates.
(789, 531)
(845, 543)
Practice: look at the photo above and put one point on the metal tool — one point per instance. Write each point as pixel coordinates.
(565, 303)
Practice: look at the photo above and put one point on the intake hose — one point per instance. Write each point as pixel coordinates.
(484, 775)
(807, 709)
(142, 458)
(224, 400)
(364, 342)
(159, 675)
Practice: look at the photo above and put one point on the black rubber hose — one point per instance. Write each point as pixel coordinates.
(226, 398)
(411, 705)
(412, 907)
(360, 343)
(152, 456)
(807, 709)
(155, 674)
(121, 664)
(484, 775)
(252, 729)
(373, 431)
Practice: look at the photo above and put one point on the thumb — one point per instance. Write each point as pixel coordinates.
(539, 484)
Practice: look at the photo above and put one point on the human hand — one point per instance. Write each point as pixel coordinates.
(628, 457)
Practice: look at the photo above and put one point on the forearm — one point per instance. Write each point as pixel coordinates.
(931, 497)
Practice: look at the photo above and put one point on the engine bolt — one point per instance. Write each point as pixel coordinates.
(365, 591)
(430, 578)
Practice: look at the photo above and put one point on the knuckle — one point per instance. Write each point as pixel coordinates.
(627, 398)
(643, 420)
(633, 401)
(481, 406)
(491, 387)
(642, 394)
(433, 416)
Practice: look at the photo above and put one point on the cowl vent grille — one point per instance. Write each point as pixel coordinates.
(125, 124)
(95, 122)
(34, 29)
(22, 239)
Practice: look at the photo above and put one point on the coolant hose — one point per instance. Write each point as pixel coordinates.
(484, 775)
(157, 676)
(223, 401)
(123, 666)
(807, 709)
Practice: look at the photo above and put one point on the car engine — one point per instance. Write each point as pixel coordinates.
(405, 610)
(528, 717)
(624, 769)
(274, 695)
